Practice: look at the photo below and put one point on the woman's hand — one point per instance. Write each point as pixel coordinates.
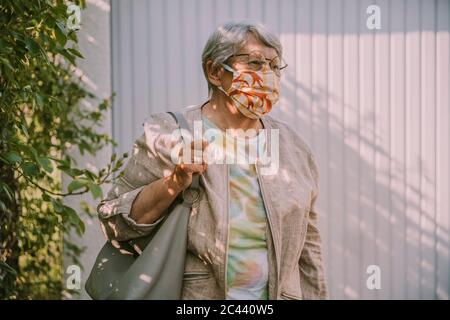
(151, 203)
(187, 166)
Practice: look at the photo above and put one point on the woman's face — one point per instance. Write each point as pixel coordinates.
(252, 44)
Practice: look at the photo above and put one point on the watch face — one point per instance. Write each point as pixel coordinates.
(191, 195)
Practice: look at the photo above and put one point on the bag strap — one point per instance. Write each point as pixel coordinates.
(183, 124)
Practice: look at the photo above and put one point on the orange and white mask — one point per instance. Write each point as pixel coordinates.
(253, 92)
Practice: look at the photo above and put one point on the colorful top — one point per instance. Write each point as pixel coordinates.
(247, 261)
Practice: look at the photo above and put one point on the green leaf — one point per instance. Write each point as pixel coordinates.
(24, 130)
(46, 164)
(28, 150)
(81, 227)
(46, 197)
(61, 33)
(30, 169)
(77, 184)
(39, 100)
(57, 205)
(73, 172)
(7, 268)
(75, 52)
(32, 46)
(7, 190)
(103, 105)
(60, 161)
(67, 55)
(83, 145)
(7, 63)
(5, 46)
(90, 175)
(74, 219)
(13, 157)
(3, 207)
(96, 191)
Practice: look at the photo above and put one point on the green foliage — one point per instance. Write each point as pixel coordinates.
(42, 119)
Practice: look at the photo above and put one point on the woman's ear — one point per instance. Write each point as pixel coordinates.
(214, 73)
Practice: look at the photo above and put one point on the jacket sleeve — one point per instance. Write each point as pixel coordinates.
(150, 161)
(114, 213)
(312, 276)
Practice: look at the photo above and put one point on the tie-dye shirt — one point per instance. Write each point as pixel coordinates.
(247, 261)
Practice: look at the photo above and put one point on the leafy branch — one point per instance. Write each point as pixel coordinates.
(43, 118)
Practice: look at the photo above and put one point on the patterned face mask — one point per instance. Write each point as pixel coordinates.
(253, 92)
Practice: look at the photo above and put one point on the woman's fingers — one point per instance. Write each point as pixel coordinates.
(193, 168)
(194, 153)
(191, 160)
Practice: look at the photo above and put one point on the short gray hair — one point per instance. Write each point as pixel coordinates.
(229, 38)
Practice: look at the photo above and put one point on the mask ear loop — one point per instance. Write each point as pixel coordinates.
(228, 68)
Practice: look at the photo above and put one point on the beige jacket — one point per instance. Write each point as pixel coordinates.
(294, 245)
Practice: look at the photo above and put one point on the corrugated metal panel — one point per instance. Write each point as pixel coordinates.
(374, 105)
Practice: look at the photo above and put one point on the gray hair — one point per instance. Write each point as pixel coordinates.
(229, 38)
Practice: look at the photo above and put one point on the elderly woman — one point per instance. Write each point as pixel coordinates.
(251, 235)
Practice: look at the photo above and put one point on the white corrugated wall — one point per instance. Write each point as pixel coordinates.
(374, 105)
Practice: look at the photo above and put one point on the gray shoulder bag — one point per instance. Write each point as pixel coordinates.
(149, 267)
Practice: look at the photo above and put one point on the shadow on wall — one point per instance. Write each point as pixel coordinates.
(370, 219)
